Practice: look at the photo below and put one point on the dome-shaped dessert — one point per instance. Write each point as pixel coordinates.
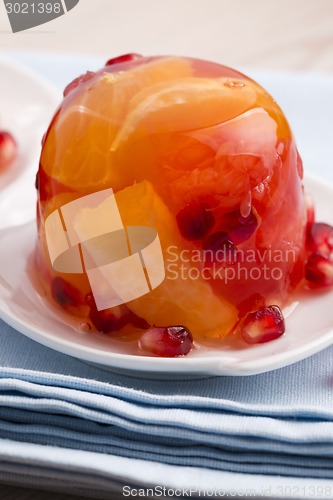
(169, 193)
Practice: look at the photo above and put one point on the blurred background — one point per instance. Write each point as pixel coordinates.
(275, 34)
(286, 45)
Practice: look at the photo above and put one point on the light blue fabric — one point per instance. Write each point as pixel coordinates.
(275, 423)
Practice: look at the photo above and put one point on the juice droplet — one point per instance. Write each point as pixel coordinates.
(234, 84)
(246, 205)
(85, 327)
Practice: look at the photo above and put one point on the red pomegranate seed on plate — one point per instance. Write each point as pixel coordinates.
(319, 271)
(122, 59)
(263, 325)
(167, 342)
(320, 239)
(8, 149)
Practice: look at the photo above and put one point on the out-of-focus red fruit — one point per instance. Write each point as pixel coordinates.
(263, 325)
(8, 150)
(122, 59)
(319, 271)
(167, 342)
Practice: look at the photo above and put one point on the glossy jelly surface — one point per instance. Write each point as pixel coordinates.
(205, 157)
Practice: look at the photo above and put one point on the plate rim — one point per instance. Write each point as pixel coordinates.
(213, 365)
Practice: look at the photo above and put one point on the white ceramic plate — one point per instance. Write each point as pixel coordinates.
(309, 324)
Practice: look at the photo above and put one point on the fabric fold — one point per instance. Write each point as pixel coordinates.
(277, 423)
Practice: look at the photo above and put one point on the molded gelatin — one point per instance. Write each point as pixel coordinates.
(203, 155)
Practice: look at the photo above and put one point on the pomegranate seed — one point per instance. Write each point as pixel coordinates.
(245, 228)
(75, 83)
(167, 342)
(106, 321)
(8, 149)
(221, 247)
(122, 59)
(263, 325)
(310, 211)
(320, 239)
(65, 294)
(239, 228)
(194, 221)
(319, 271)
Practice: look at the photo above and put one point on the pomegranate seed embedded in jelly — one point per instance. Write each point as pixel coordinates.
(65, 294)
(107, 321)
(263, 325)
(245, 229)
(219, 245)
(194, 221)
(167, 342)
(122, 59)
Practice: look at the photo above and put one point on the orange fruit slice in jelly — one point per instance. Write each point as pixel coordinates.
(77, 151)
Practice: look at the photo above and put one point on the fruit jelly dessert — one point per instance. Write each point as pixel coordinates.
(203, 155)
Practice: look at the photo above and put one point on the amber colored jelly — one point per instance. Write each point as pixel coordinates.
(203, 155)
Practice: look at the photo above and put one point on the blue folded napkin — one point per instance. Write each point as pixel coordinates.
(278, 423)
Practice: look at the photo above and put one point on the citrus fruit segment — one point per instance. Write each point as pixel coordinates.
(77, 148)
(182, 105)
